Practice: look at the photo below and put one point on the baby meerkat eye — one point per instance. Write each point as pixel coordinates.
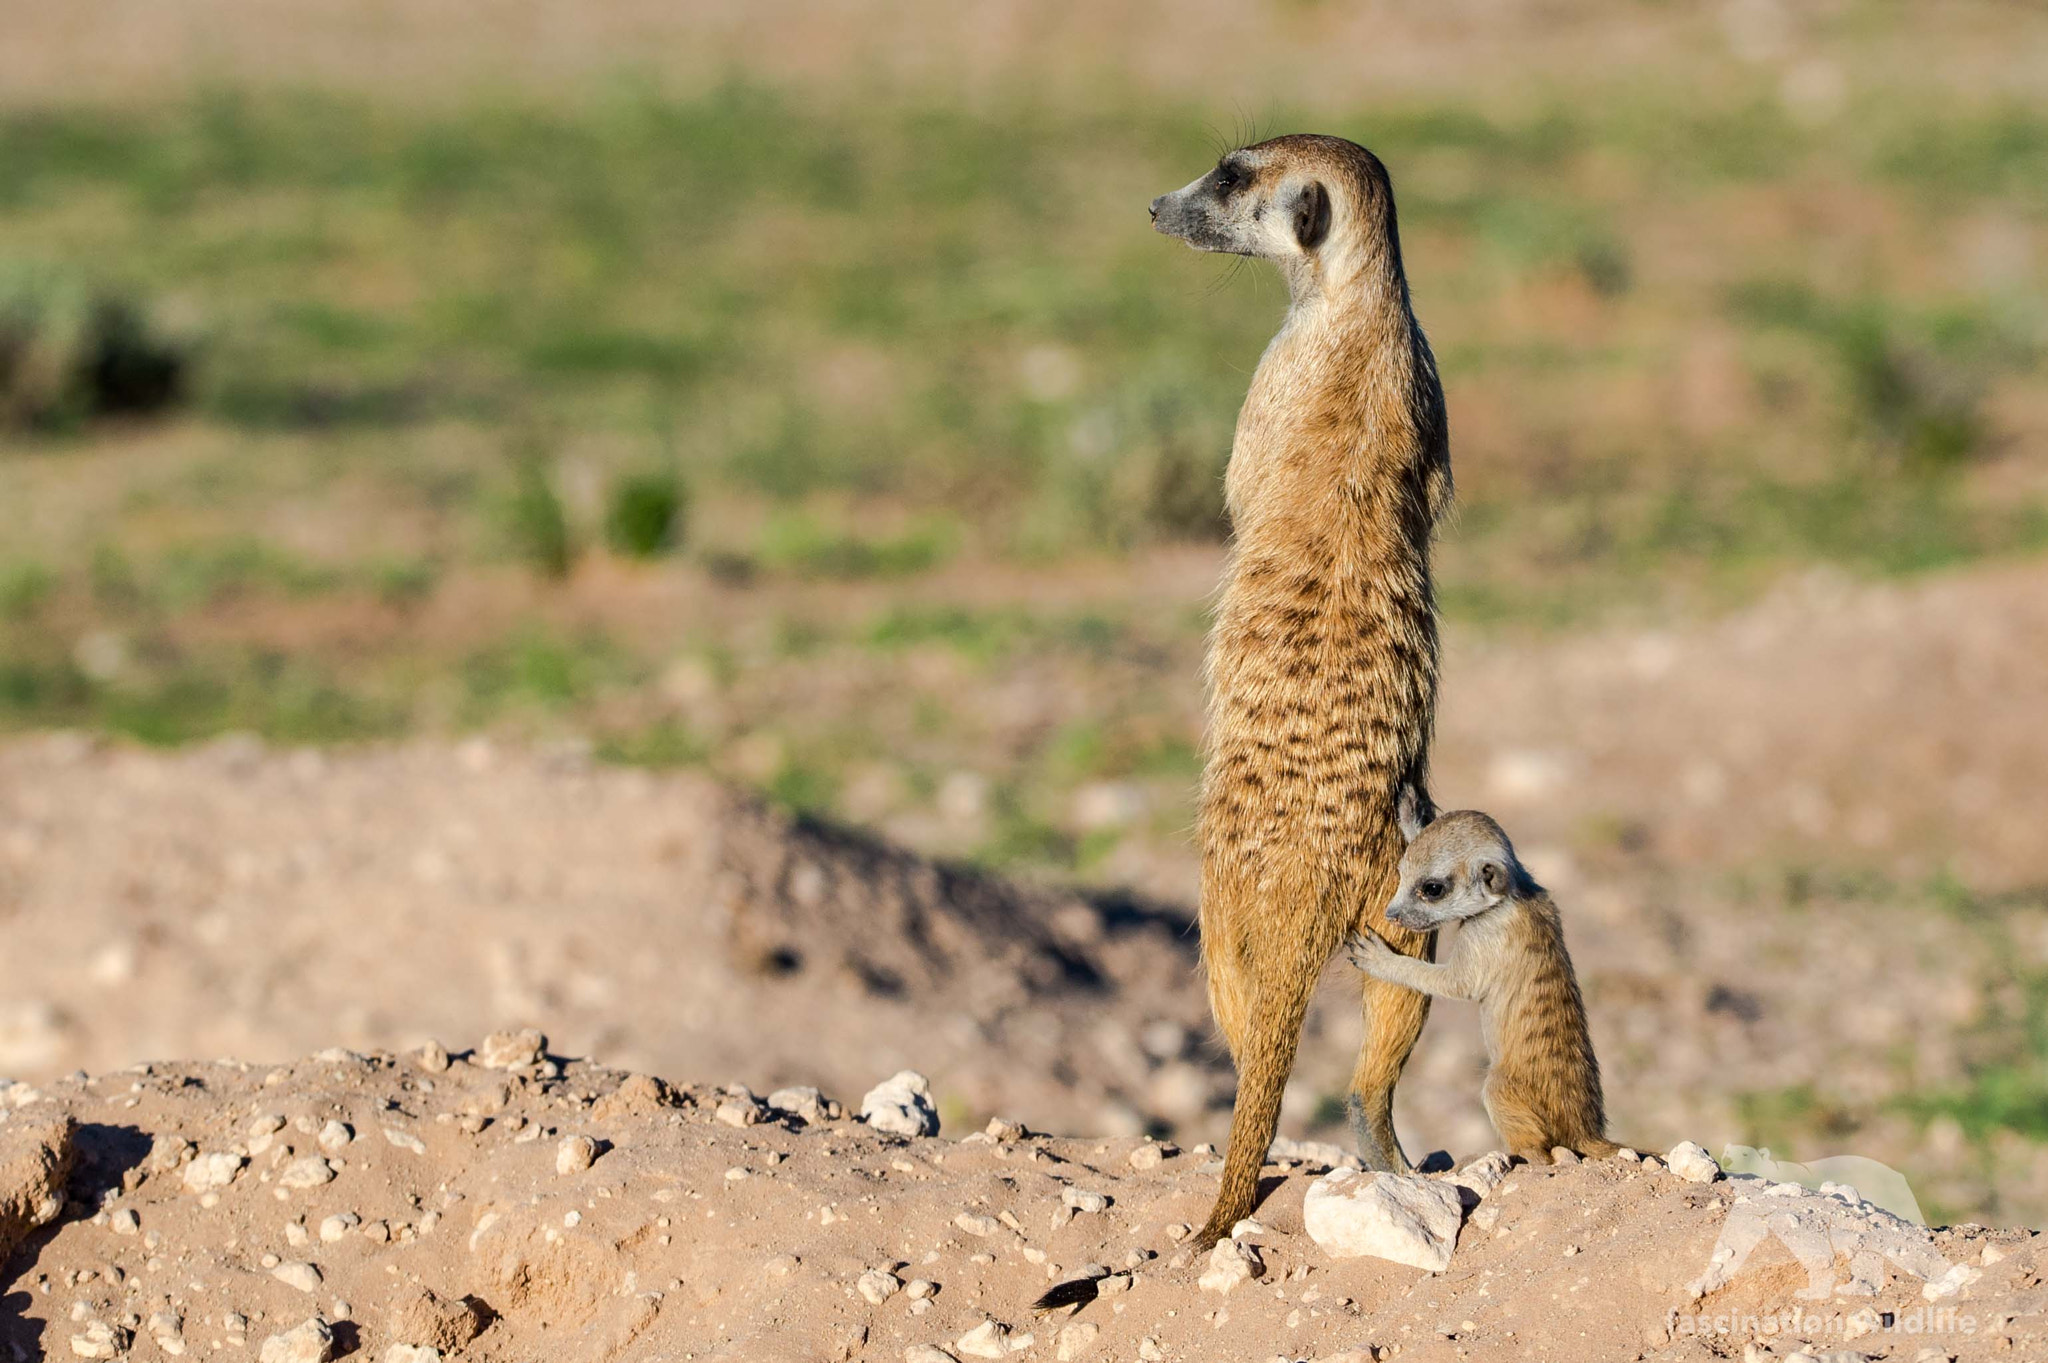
(1430, 889)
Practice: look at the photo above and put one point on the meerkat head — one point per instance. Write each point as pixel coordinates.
(1459, 866)
(1316, 206)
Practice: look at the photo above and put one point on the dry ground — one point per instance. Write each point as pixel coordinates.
(1787, 931)
(215, 1207)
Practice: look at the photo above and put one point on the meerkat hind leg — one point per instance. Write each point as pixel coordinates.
(1394, 1015)
(1521, 1131)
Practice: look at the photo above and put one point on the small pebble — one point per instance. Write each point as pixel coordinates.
(512, 1050)
(299, 1274)
(1082, 1201)
(878, 1285)
(575, 1153)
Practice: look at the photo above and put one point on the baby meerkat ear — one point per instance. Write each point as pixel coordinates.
(1311, 215)
(1413, 812)
(1494, 876)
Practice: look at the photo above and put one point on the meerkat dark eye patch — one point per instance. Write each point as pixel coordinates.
(1312, 215)
(1229, 179)
(1431, 889)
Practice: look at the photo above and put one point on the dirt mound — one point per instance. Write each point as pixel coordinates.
(381, 1206)
(234, 900)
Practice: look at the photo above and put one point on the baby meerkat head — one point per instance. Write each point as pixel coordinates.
(1457, 867)
(1289, 199)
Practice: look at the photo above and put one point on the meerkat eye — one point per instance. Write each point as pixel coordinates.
(1430, 889)
(1227, 179)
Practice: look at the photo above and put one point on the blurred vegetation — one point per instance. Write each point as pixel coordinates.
(811, 439)
(69, 354)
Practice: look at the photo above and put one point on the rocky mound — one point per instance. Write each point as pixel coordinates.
(503, 1205)
(233, 900)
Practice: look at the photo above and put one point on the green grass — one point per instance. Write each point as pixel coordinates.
(799, 341)
(924, 303)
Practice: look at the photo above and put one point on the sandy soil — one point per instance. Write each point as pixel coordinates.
(235, 901)
(571, 1213)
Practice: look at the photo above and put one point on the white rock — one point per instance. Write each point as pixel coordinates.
(1147, 1156)
(211, 1171)
(299, 1274)
(405, 1140)
(1400, 1217)
(1692, 1163)
(1077, 1339)
(338, 1225)
(335, 1137)
(878, 1285)
(575, 1153)
(168, 1330)
(100, 1340)
(432, 1057)
(412, 1353)
(986, 1340)
(739, 1112)
(312, 1342)
(902, 1105)
(1231, 1263)
(309, 1172)
(805, 1101)
(125, 1222)
(917, 1289)
(512, 1050)
(1082, 1201)
(1484, 1174)
(977, 1225)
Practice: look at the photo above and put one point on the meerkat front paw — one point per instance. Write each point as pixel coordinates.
(1366, 947)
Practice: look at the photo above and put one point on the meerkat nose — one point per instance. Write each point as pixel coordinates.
(1155, 207)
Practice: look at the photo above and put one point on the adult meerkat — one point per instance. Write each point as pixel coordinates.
(1542, 1081)
(1322, 664)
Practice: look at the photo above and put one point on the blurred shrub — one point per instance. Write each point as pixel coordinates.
(647, 512)
(532, 520)
(23, 589)
(1143, 468)
(1914, 383)
(801, 544)
(69, 353)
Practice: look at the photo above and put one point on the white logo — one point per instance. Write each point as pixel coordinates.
(1820, 1227)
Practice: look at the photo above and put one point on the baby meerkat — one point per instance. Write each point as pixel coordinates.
(1543, 1083)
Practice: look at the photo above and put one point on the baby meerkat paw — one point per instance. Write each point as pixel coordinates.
(1367, 946)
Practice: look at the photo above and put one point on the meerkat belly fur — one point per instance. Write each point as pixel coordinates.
(1322, 665)
(1542, 1082)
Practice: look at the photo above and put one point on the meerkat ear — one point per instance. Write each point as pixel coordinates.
(1413, 812)
(1494, 876)
(1312, 215)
